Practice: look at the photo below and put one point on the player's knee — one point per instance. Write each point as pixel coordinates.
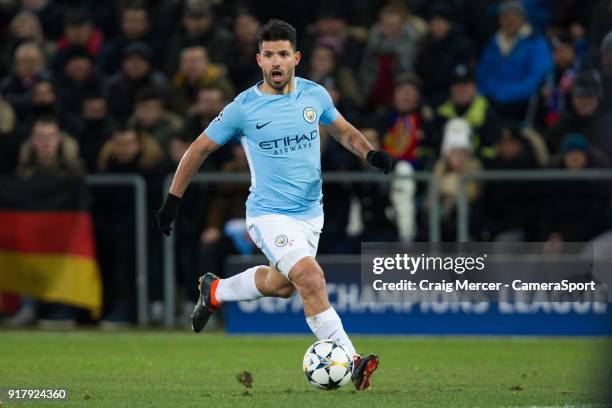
(312, 283)
(308, 278)
(283, 288)
(270, 282)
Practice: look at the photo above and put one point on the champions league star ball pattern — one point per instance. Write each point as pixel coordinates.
(327, 366)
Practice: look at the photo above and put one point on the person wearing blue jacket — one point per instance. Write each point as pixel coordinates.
(514, 63)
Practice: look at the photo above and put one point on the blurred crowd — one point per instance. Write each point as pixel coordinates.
(450, 87)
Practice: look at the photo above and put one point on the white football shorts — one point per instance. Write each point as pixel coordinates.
(285, 240)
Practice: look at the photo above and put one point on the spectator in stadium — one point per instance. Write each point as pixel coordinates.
(406, 133)
(347, 106)
(587, 117)
(130, 152)
(555, 93)
(572, 14)
(390, 51)
(414, 21)
(506, 217)
(135, 26)
(475, 20)
(151, 117)
(78, 78)
(331, 29)
(44, 103)
(210, 102)
(9, 143)
(578, 31)
(80, 31)
(127, 152)
(465, 102)
(456, 160)
(576, 210)
(29, 67)
(600, 24)
(49, 151)
(337, 201)
(7, 118)
(242, 72)
(374, 205)
(50, 15)
(24, 27)
(514, 63)
(324, 66)
(606, 71)
(136, 74)
(196, 72)
(441, 50)
(198, 27)
(95, 129)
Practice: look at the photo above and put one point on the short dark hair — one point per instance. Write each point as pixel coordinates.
(47, 120)
(78, 17)
(149, 93)
(137, 5)
(77, 51)
(123, 127)
(212, 88)
(94, 93)
(278, 30)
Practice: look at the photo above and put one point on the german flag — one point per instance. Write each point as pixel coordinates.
(47, 246)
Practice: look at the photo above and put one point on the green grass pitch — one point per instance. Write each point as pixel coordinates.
(180, 369)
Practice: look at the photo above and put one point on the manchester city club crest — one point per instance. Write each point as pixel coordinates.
(310, 115)
(281, 240)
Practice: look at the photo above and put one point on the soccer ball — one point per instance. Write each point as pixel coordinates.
(327, 365)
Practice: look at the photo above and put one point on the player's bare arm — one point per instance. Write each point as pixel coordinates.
(187, 168)
(349, 137)
(191, 162)
(354, 141)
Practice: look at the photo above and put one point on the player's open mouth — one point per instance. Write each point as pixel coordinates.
(277, 75)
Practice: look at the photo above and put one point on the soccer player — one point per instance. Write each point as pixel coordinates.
(277, 121)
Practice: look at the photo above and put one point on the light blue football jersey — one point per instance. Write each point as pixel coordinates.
(280, 135)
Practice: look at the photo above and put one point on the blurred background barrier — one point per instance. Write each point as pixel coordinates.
(403, 200)
(592, 182)
(137, 183)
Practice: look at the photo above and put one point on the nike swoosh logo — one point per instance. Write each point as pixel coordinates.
(258, 126)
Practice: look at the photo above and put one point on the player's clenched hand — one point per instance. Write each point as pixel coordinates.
(167, 213)
(380, 159)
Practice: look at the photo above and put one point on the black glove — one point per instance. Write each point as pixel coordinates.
(380, 159)
(167, 213)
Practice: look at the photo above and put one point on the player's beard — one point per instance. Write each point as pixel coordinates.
(278, 86)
